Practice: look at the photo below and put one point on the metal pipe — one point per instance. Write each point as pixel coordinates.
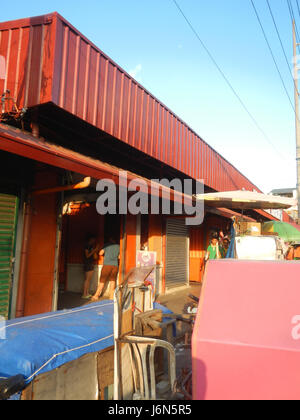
(81, 185)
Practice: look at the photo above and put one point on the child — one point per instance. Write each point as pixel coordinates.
(213, 251)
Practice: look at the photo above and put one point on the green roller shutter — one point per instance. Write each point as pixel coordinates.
(8, 222)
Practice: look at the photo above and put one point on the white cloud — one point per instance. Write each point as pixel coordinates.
(136, 71)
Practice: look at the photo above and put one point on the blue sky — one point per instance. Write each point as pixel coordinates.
(152, 41)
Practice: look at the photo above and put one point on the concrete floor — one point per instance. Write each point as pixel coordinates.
(70, 300)
(174, 301)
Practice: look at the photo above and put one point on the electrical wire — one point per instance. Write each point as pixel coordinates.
(280, 40)
(298, 7)
(227, 81)
(273, 56)
(291, 11)
(282, 47)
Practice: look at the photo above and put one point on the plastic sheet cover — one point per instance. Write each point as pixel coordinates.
(34, 345)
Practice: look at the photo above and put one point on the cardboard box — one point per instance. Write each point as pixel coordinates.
(250, 228)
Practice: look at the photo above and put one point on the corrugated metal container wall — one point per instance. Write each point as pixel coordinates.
(29, 58)
(48, 60)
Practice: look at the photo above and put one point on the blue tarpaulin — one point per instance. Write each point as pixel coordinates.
(38, 344)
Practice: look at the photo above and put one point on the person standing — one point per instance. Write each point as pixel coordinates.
(110, 269)
(91, 251)
(213, 251)
(224, 247)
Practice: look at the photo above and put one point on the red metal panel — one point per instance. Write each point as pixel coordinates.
(160, 132)
(197, 158)
(167, 149)
(117, 102)
(245, 345)
(35, 63)
(151, 125)
(71, 69)
(179, 141)
(163, 135)
(209, 183)
(206, 165)
(201, 164)
(12, 69)
(124, 109)
(23, 48)
(155, 129)
(48, 60)
(188, 151)
(132, 111)
(137, 117)
(193, 161)
(92, 86)
(109, 98)
(172, 141)
(182, 148)
(146, 124)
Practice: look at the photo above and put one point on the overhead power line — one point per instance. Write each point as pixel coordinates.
(292, 16)
(227, 80)
(298, 7)
(272, 54)
(280, 40)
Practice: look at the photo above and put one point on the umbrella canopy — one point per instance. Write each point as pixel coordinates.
(245, 200)
(285, 231)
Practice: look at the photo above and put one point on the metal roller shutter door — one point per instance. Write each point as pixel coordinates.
(177, 253)
(8, 222)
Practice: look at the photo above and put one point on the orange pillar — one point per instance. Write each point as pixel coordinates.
(130, 254)
(155, 236)
(39, 278)
(197, 253)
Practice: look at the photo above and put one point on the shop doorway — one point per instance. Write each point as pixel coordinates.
(80, 222)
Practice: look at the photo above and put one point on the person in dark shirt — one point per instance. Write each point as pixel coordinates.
(110, 269)
(91, 251)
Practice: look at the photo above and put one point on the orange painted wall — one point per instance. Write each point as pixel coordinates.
(197, 253)
(130, 253)
(86, 222)
(76, 227)
(155, 236)
(41, 252)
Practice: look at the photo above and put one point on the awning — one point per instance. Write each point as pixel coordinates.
(246, 200)
(228, 213)
(24, 144)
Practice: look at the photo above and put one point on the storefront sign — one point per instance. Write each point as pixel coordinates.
(148, 259)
